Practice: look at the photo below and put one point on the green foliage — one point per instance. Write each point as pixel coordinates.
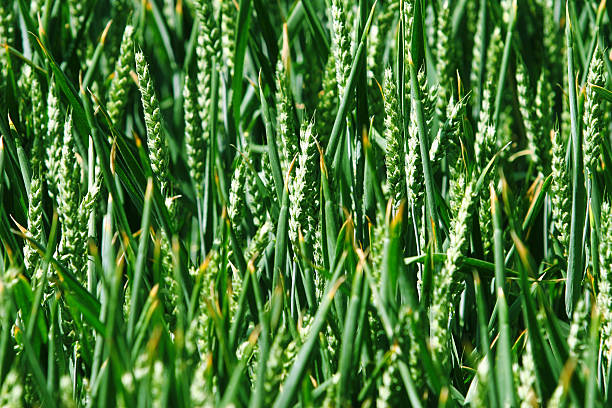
(437, 232)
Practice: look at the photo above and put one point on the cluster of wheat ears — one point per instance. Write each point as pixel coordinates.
(274, 203)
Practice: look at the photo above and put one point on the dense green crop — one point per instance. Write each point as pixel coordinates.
(305, 203)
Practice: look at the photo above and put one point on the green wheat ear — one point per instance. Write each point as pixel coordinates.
(604, 281)
(304, 190)
(11, 392)
(446, 143)
(208, 51)
(453, 130)
(377, 43)
(441, 307)
(445, 57)
(414, 177)
(525, 376)
(229, 16)
(285, 118)
(560, 195)
(260, 241)
(414, 169)
(71, 248)
(281, 357)
(255, 199)
(594, 113)
(195, 145)
(394, 155)
(236, 208)
(159, 154)
(552, 41)
(39, 121)
(544, 105)
(328, 99)
(341, 45)
(390, 387)
(578, 333)
(484, 212)
(35, 224)
(53, 140)
(528, 113)
(209, 31)
(7, 33)
(77, 15)
(205, 277)
(485, 118)
(120, 84)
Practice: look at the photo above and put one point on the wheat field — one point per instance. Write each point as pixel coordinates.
(305, 203)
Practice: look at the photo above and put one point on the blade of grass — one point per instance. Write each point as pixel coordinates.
(575, 258)
(271, 138)
(348, 339)
(504, 353)
(241, 36)
(485, 349)
(140, 259)
(602, 92)
(538, 346)
(78, 112)
(504, 66)
(280, 251)
(93, 65)
(318, 32)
